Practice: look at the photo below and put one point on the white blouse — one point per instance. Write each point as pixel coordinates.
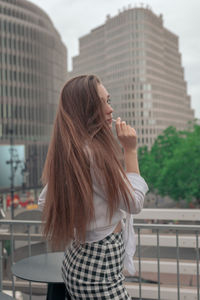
(101, 227)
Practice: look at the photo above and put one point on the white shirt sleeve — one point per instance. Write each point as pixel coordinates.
(140, 188)
(42, 197)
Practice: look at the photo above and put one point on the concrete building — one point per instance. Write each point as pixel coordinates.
(33, 67)
(139, 62)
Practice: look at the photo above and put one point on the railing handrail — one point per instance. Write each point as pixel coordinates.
(167, 226)
(136, 225)
(15, 222)
(181, 214)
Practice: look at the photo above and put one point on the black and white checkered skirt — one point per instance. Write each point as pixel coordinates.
(94, 270)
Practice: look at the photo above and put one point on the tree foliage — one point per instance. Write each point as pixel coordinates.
(172, 166)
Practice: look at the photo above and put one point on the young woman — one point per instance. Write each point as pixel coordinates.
(88, 194)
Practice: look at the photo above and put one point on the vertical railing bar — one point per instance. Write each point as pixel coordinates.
(46, 244)
(12, 257)
(197, 259)
(29, 254)
(29, 240)
(46, 241)
(158, 262)
(139, 257)
(1, 265)
(177, 259)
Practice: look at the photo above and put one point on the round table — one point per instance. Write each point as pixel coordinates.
(45, 268)
(5, 297)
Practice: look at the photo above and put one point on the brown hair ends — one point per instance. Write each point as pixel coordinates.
(80, 136)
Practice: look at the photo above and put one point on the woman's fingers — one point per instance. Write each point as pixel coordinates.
(133, 131)
(123, 128)
(118, 126)
(126, 134)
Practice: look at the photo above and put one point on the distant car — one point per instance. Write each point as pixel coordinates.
(26, 202)
(15, 200)
(18, 201)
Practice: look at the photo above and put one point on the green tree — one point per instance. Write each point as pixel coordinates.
(172, 166)
(148, 167)
(180, 176)
(152, 162)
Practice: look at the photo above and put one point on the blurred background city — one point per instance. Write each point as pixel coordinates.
(147, 56)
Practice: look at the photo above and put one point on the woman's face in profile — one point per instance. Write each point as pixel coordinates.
(105, 98)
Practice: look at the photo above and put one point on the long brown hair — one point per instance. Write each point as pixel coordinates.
(80, 136)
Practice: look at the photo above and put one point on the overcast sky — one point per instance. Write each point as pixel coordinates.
(75, 18)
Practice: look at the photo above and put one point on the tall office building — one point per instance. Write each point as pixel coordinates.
(33, 67)
(139, 62)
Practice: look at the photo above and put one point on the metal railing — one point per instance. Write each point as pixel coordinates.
(168, 237)
(150, 262)
(18, 239)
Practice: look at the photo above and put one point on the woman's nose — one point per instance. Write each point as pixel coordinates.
(110, 109)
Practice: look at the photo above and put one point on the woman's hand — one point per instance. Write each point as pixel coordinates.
(126, 135)
(128, 139)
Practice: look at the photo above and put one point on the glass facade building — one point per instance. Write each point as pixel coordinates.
(33, 68)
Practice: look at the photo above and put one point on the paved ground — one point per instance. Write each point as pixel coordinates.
(22, 296)
(26, 297)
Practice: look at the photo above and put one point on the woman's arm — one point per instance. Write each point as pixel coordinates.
(131, 161)
(128, 139)
(137, 193)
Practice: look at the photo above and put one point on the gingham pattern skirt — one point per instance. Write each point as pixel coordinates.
(94, 270)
